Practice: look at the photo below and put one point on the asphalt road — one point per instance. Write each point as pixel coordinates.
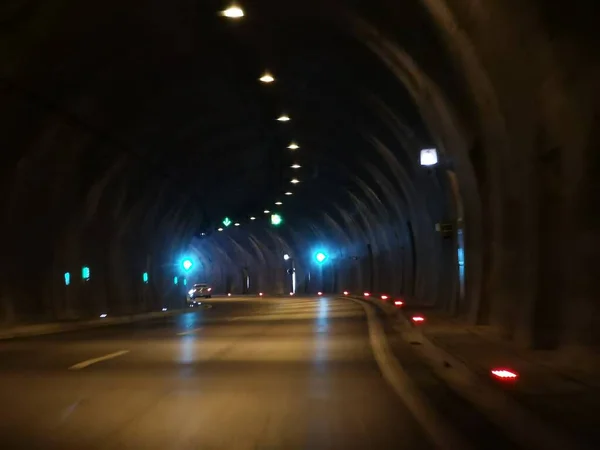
(279, 373)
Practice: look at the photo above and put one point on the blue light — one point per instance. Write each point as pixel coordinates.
(187, 264)
(85, 273)
(175, 280)
(184, 282)
(320, 257)
(67, 278)
(145, 277)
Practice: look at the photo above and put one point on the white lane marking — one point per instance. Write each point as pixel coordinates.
(442, 435)
(185, 333)
(89, 362)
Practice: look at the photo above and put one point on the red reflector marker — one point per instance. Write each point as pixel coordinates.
(398, 303)
(504, 374)
(384, 297)
(418, 319)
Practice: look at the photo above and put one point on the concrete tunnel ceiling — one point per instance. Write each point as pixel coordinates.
(135, 129)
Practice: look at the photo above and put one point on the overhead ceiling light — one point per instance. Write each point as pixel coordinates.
(236, 224)
(284, 118)
(295, 181)
(266, 211)
(293, 146)
(288, 193)
(253, 218)
(267, 78)
(233, 12)
(278, 203)
(219, 229)
(295, 166)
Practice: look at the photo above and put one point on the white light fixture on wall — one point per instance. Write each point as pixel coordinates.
(429, 157)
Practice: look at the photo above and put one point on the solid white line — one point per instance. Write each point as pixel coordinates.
(442, 435)
(89, 362)
(185, 333)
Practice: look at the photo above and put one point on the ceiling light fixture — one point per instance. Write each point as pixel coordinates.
(278, 203)
(288, 193)
(295, 166)
(233, 12)
(252, 218)
(293, 146)
(219, 229)
(284, 118)
(266, 211)
(267, 78)
(295, 181)
(236, 224)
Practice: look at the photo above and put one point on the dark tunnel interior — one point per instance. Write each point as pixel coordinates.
(131, 130)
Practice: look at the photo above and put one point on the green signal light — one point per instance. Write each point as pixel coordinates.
(276, 219)
(226, 221)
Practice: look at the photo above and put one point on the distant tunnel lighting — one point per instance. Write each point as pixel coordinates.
(504, 374)
(295, 181)
(278, 203)
(266, 211)
(67, 278)
(418, 319)
(286, 256)
(284, 118)
(252, 218)
(237, 224)
(219, 229)
(295, 166)
(293, 146)
(398, 303)
(102, 316)
(366, 294)
(267, 78)
(175, 280)
(384, 297)
(85, 273)
(145, 277)
(429, 157)
(288, 193)
(187, 264)
(233, 12)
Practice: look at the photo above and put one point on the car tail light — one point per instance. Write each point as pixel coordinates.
(398, 303)
(366, 294)
(346, 292)
(209, 289)
(384, 297)
(418, 319)
(319, 293)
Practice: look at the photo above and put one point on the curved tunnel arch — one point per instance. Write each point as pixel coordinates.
(102, 171)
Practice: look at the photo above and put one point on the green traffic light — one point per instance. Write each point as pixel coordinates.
(276, 219)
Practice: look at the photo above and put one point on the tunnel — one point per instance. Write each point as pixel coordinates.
(136, 135)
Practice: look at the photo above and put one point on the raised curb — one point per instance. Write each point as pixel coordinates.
(58, 327)
(522, 426)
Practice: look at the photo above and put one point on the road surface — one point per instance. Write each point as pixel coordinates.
(278, 373)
